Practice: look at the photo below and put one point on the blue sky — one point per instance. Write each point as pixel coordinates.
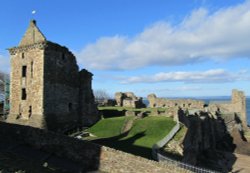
(171, 48)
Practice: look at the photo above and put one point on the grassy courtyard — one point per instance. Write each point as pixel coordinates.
(108, 127)
(118, 108)
(139, 140)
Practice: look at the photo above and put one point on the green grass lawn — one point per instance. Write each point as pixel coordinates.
(153, 128)
(108, 127)
(139, 140)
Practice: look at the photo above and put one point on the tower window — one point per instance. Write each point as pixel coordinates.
(22, 55)
(70, 107)
(30, 111)
(31, 69)
(63, 56)
(24, 71)
(24, 94)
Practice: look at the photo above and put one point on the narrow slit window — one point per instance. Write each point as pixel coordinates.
(30, 111)
(70, 107)
(31, 69)
(63, 56)
(22, 55)
(24, 71)
(24, 94)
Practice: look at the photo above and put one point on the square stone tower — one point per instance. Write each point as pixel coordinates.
(47, 90)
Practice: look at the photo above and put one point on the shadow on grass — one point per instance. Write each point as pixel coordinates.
(126, 145)
(112, 113)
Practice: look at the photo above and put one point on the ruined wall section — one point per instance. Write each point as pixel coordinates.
(168, 103)
(88, 156)
(239, 102)
(224, 107)
(60, 87)
(26, 87)
(236, 105)
(119, 98)
(128, 99)
(87, 107)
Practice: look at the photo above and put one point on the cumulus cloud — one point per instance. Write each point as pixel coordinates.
(181, 89)
(187, 88)
(209, 76)
(200, 36)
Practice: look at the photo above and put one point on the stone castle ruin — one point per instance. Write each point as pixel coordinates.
(47, 89)
(168, 103)
(128, 99)
(236, 107)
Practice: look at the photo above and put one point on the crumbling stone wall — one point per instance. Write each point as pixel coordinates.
(88, 107)
(237, 105)
(47, 90)
(128, 99)
(239, 102)
(183, 103)
(87, 156)
(61, 87)
(204, 140)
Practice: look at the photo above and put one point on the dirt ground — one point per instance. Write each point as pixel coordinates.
(242, 164)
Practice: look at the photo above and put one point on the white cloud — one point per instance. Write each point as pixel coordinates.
(188, 88)
(209, 76)
(185, 88)
(199, 37)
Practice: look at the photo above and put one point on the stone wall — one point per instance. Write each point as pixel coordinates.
(237, 105)
(117, 161)
(61, 87)
(183, 103)
(47, 89)
(206, 141)
(88, 108)
(87, 156)
(32, 83)
(239, 102)
(128, 99)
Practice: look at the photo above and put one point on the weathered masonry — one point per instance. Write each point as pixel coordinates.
(237, 105)
(47, 89)
(128, 99)
(183, 103)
